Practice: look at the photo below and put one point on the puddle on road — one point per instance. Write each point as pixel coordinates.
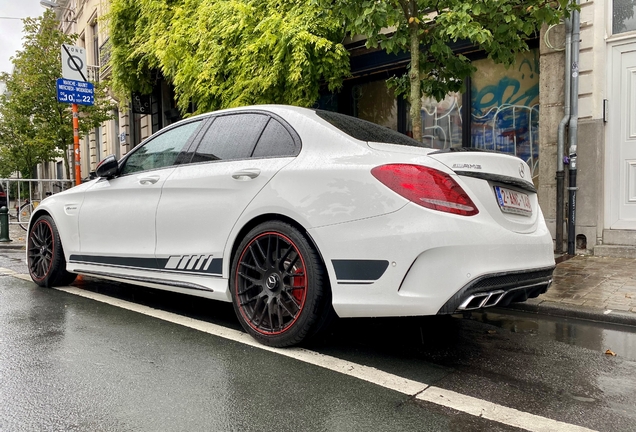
(620, 340)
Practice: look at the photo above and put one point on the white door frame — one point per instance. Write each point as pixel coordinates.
(612, 178)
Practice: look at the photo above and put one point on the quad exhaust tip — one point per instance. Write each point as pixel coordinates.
(491, 298)
(480, 300)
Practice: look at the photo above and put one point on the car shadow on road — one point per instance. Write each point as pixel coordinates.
(421, 348)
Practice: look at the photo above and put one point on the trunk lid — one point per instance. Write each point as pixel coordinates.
(501, 183)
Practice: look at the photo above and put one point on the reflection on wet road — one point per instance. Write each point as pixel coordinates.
(594, 336)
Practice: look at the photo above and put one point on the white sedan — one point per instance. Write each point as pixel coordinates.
(293, 214)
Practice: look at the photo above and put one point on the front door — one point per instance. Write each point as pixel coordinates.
(117, 218)
(621, 168)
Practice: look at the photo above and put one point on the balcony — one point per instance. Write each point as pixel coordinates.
(93, 73)
(104, 58)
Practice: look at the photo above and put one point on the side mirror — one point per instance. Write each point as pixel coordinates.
(108, 167)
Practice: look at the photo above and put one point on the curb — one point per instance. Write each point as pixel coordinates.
(543, 307)
(12, 247)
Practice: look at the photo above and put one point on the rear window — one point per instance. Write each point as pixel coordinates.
(365, 130)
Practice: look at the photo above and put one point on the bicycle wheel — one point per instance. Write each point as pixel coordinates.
(24, 215)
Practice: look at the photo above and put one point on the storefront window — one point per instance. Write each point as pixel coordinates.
(505, 107)
(503, 115)
(623, 16)
(375, 102)
(442, 121)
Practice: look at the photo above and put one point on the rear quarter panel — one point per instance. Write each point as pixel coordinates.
(329, 183)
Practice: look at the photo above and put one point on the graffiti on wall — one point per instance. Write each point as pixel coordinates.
(442, 122)
(504, 111)
(505, 108)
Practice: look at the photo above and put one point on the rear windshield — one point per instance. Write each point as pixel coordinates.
(366, 131)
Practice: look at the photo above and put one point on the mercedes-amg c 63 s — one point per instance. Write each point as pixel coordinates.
(293, 214)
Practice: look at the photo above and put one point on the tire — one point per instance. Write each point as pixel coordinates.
(279, 286)
(45, 256)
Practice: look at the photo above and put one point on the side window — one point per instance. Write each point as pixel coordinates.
(231, 137)
(275, 141)
(161, 151)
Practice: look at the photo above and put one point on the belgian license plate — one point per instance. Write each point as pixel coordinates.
(511, 201)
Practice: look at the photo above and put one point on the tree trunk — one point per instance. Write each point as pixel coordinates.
(414, 78)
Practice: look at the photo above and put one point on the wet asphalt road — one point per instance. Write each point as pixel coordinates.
(71, 363)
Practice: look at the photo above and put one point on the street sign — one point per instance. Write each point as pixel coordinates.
(74, 63)
(76, 92)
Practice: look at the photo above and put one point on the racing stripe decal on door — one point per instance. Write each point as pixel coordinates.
(192, 264)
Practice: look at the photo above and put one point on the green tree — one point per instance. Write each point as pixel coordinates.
(227, 53)
(34, 127)
(426, 28)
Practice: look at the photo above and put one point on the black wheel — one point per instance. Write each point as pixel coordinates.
(279, 287)
(45, 256)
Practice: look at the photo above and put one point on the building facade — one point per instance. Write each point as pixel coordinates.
(606, 172)
(516, 110)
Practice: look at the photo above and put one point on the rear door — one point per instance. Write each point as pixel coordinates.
(200, 203)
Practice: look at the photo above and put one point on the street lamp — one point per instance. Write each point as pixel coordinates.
(52, 5)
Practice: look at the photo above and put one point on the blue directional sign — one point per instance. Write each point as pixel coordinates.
(77, 92)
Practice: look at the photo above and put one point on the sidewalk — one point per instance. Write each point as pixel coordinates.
(18, 235)
(592, 288)
(585, 287)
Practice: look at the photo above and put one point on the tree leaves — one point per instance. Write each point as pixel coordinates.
(227, 53)
(498, 27)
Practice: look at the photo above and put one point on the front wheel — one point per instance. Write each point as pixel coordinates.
(45, 256)
(279, 286)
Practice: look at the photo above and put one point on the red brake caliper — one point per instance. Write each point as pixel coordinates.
(298, 282)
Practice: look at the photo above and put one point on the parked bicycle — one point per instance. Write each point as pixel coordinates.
(26, 209)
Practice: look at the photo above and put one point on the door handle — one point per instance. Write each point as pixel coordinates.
(250, 173)
(147, 180)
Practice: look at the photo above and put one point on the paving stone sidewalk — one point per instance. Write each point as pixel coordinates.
(589, 287)
(584, 286)
(601, 282)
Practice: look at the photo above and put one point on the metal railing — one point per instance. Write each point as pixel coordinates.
(93, 73)
(24, 195)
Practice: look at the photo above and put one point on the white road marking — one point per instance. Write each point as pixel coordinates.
(494, 412)
(421, 391)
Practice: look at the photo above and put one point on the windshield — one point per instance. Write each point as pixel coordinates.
(366, 131)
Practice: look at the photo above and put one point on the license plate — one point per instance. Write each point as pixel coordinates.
(511, 201)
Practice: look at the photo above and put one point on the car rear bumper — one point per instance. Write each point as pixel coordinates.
(432, 263)
(499, 289)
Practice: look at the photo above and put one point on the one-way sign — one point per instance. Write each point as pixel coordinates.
(77, 92)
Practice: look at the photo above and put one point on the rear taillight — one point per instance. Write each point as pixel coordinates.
(427, 187)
